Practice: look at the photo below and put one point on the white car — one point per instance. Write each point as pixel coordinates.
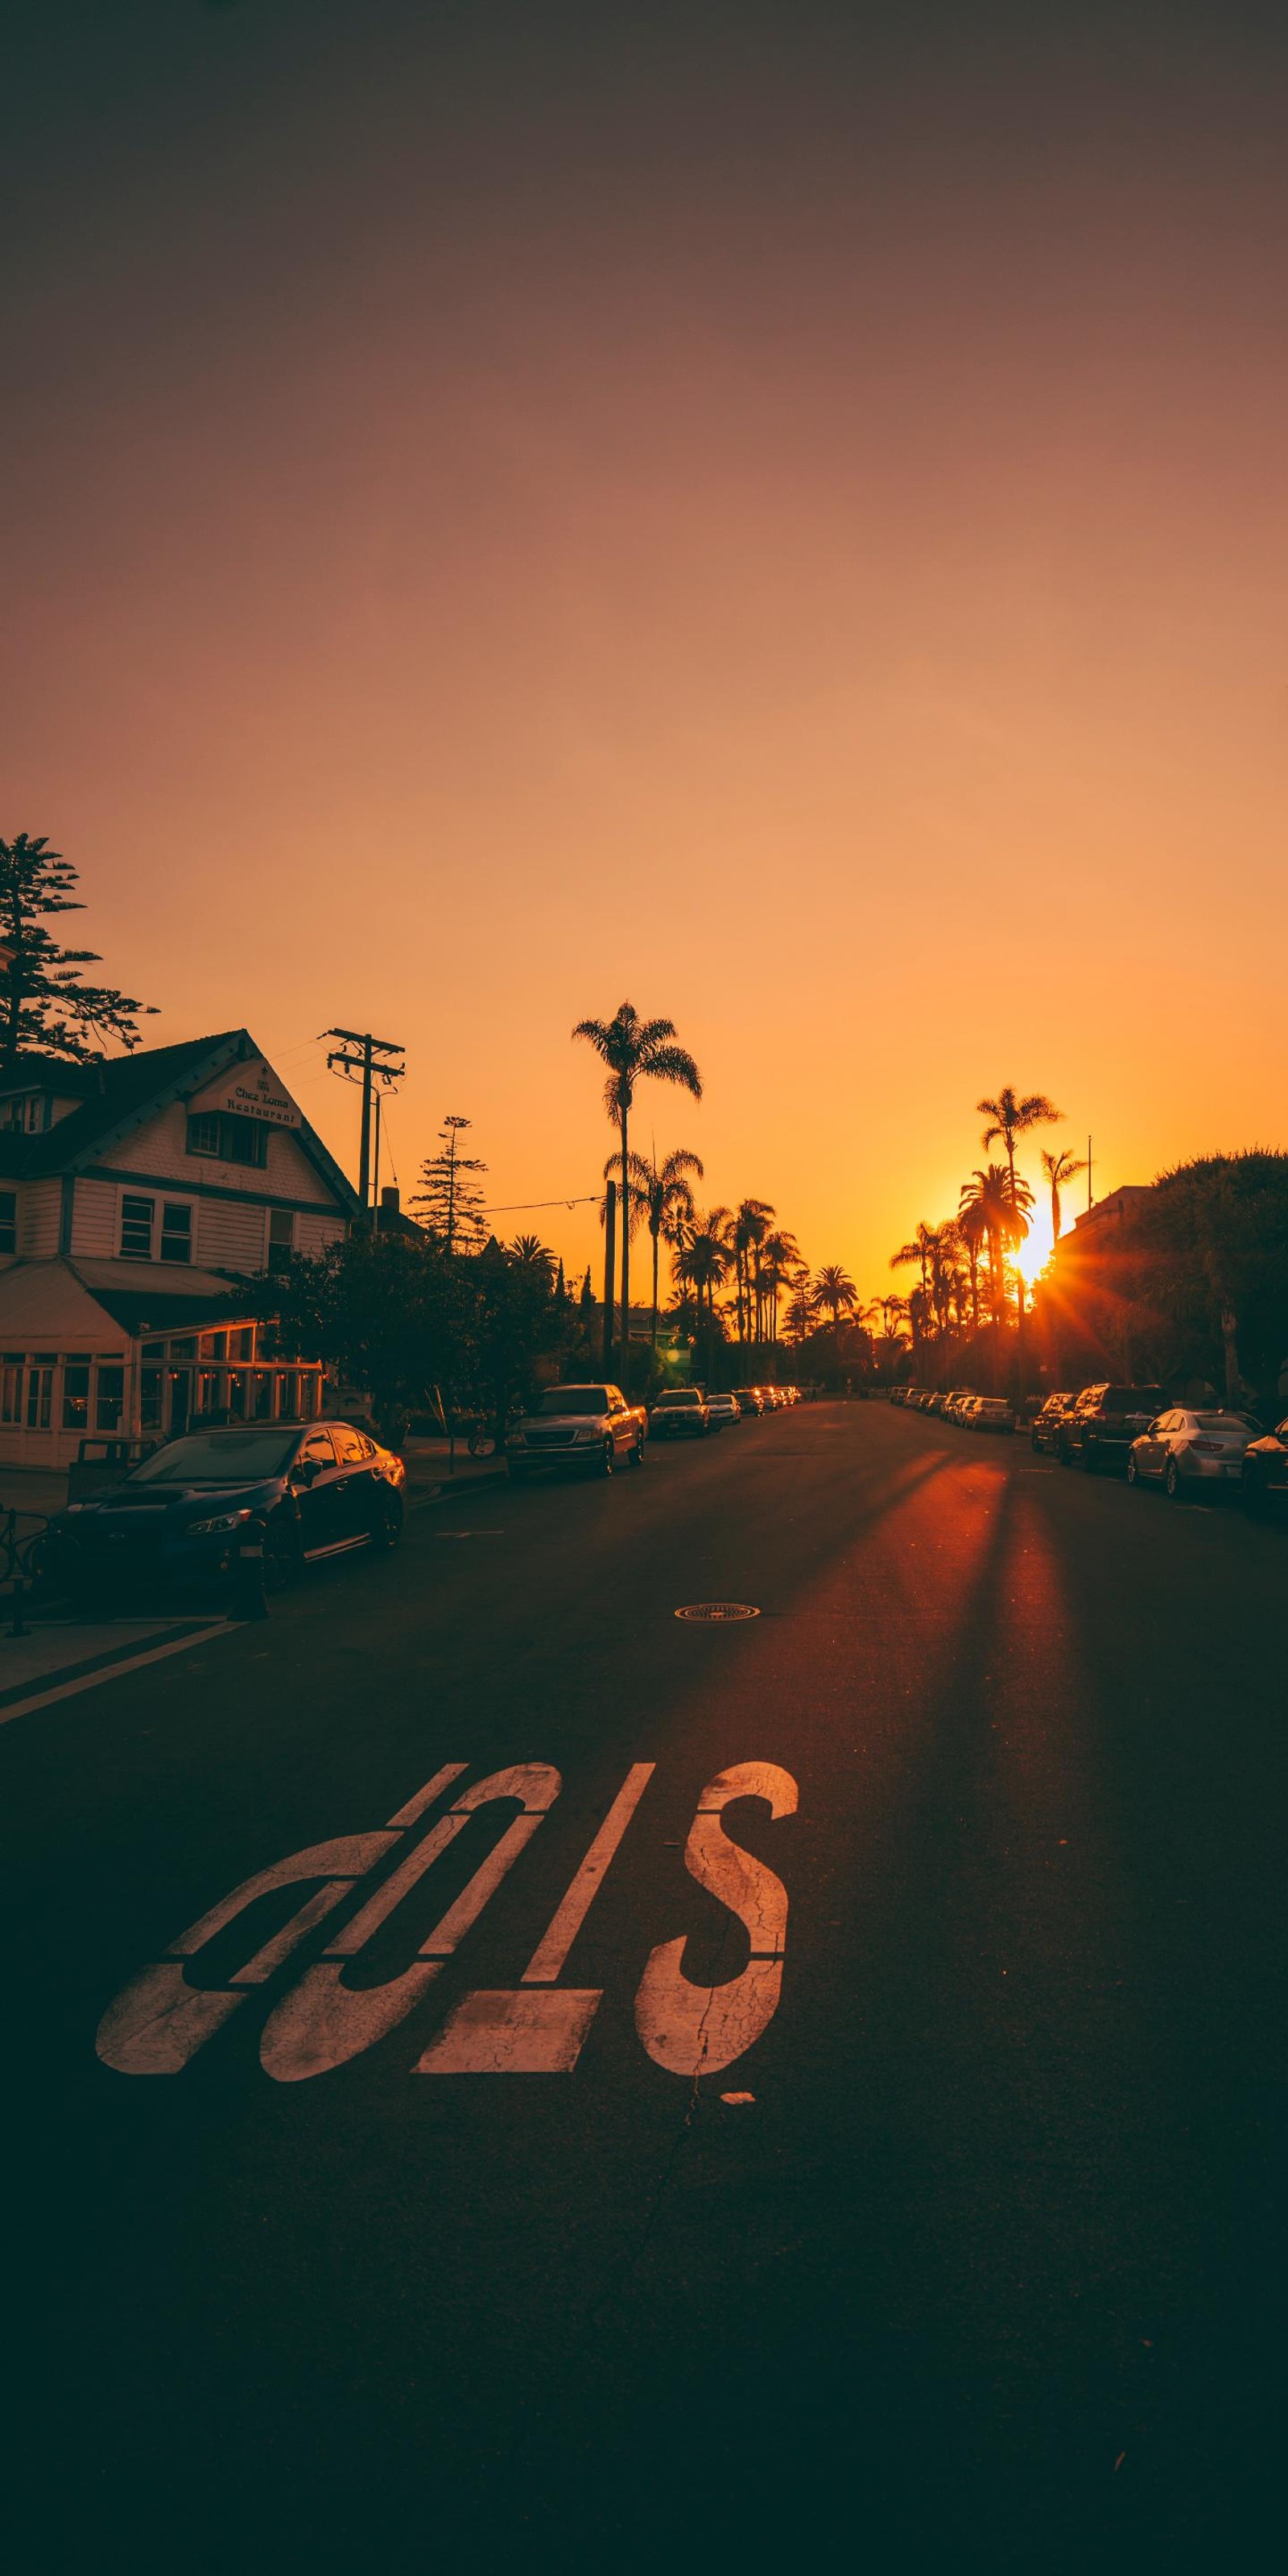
(1185, 1447)
(721, 1409)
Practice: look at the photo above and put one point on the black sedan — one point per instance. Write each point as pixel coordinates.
(179, 1519)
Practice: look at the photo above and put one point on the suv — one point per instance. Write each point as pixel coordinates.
(680, 1414)
(577, 1426)
(1044, 1430)
(1100, 1426)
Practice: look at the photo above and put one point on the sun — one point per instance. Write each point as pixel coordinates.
(1037, 1247)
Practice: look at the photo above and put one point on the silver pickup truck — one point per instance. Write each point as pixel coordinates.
(578, 1426)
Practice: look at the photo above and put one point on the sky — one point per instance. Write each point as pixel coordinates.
(775, 513)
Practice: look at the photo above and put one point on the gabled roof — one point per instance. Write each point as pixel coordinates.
(118, 1093)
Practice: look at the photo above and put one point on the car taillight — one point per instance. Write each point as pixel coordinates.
(1212, 1448)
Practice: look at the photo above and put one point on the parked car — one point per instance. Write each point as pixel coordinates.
(1265, 1470)
(179, 1518)
(992, 1413)
(1186, 1447)
(577, 1426)
(1102, 1422)
(751, 1399)
(722, 1409)
(957, 1397)
(1044, 1430)
(680, 1414)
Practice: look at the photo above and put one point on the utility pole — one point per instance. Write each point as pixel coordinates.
(367, 1063)
(1088, 1176)
(453, 1127)
(610, 1248)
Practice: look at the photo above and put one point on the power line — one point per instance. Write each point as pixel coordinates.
(366, 1064)
(516, 1207)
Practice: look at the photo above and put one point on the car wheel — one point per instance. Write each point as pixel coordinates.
(1171, 1480)
(1133, 1471)
(608, 1459)
(387, 1533)
(282, 1559)
(637, 1453)
(1034, 1442)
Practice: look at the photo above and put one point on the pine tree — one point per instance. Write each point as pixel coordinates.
(46, 1007)
(452, 1201)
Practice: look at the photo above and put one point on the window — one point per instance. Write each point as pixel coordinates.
(348, 1446)
(176, 1231)
(318, 1448)
(136, 1228)
(281, 1237)
(235, 1399)
(40, 1395)
(109, 1398)
(76, 1396)
(11, 1389)
(241, 1344)
(8, 1220)
(186, 1349)
(221, 1134)
(228, 1137)
(151, 1382)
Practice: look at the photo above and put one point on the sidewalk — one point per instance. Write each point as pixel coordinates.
(429, 1470)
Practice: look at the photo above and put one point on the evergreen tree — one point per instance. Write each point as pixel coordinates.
(450, 1197)
(46, 1006)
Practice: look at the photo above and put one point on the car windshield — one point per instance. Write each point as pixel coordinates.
(217, 1458)
(1133, 1399)
(574, 1399)
(681, 1395)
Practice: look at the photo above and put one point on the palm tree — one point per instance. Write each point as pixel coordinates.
(703, 1261)
(780, 1257)
(972, 1227)
(752, 1220)
(998, 1203)
(528, 1252)
(1057, 1171)
(635, 1050)
(918, 1250)
(662, 1194)
(835, 1292)
(1008, 1120)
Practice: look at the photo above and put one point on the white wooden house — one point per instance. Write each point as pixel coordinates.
(135, 1196)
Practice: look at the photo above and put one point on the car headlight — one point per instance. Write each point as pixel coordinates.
(516, 1440)
(588, 1431)
(219, 1521)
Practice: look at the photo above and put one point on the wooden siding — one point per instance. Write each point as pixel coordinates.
(159, 1148)
(39, 1209)
(94, 1219)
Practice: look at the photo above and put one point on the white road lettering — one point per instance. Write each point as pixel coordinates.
(323, 2023)
(695, 2030)
(515, 2031)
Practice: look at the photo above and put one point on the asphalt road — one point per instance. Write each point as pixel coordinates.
(982, 2263)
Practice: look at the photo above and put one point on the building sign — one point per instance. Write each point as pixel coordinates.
(250, 1091)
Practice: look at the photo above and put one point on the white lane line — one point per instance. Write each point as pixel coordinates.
(547, 1961)
(108, 1672)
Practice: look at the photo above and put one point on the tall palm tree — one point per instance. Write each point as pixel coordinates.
(635, 1050)
(780, 1257)
(1057, 1171)
(972, 1228)
(751, 1224)
(918, 1250)
(1008, 1120)
(662, 1195)
(704, 1259)
(999, 1204)
(834, 1291)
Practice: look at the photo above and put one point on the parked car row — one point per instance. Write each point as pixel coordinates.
(1180, 1448)
(958, 1404)
(596, 1428)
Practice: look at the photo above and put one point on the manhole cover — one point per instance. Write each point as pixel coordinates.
(718, 1610)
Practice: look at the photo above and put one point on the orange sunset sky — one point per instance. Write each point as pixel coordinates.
(775, 513)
